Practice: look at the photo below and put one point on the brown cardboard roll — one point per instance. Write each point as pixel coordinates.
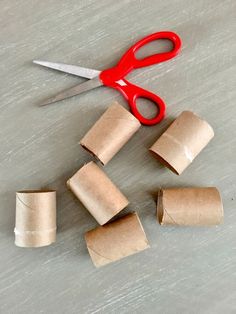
(112, 131)
(190, 206)
(96, 191)
(115, 240)
(182, 141)
(35, 218)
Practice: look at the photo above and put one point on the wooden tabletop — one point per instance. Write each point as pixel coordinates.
(186, 270)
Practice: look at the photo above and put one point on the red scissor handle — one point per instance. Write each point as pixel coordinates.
(132, 92)
(114, 77)
(129, 61)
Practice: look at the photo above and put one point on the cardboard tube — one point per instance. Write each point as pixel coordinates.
(112, 131)
(118, 239)
(35, 218)
(96, 191)
(182, 141)
(190, 207)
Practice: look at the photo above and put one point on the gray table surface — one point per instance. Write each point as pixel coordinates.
(186, 270)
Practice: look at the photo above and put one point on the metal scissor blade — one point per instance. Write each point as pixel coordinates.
(76, 90)
(71, 69)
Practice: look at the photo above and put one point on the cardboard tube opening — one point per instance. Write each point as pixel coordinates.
(164, 162)
(36, 191)
(110, 133)
(185, 138)
(91, 153)
(35, 218)
(190, 207)
(160, 206)
(97, 192)
(116, 240)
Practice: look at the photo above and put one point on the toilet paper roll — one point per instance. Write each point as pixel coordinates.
(116, 240)
(97, 192)
(110, 133)
(190, 206)
(182, 141)
(35, 224)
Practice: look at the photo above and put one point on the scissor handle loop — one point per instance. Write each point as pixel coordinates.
(132, 92)
(129, 61)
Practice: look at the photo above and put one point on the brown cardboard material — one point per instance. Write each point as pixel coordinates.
(97, 192)
(110, 133)
(190, 207)
(182, 141)
(116, 240)
(35, 224)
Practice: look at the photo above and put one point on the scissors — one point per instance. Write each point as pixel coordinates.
(115, 77)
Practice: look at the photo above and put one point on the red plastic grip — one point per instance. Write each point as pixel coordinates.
(115, 77)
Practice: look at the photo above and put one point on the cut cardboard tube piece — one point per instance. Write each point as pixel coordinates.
(110, 133)
(182, 141)
(118, 239)
(97, 192)
(35, 224)
(190, 207)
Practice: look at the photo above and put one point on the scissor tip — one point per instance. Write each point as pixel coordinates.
(40, 62)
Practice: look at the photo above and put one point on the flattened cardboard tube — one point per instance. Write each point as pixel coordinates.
(182, 141)
(35, 218)
(190, 207)
(97, 192)
(110, 133)
(118, 239)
